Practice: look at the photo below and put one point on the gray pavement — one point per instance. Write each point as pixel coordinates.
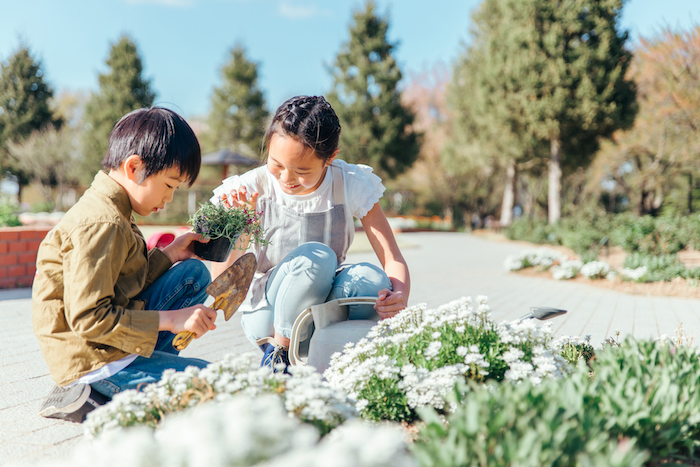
(443, 266)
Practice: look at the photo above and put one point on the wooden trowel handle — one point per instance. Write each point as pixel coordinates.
(183, 339)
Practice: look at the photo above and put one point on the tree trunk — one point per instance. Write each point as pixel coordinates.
(508, 196)
(690, 193)
(554, 199)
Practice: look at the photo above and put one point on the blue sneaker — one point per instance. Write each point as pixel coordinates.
(273, 354)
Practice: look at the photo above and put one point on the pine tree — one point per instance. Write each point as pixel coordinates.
(562, 68)
(238, 115)
(122, 89)
(376, 127)
(24, 105)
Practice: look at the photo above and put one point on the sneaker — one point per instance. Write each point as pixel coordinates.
(72, 403)
(273, 354)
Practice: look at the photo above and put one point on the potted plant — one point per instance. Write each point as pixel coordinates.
(224, 226)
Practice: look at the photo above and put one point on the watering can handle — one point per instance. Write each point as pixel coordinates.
(306, 315)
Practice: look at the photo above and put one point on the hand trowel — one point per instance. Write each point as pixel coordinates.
(229, 291)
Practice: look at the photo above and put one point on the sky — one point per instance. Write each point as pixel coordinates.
(184, 43)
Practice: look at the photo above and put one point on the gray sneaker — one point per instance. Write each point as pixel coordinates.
(72, 404)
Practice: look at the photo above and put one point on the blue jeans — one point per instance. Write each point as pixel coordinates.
(308, 276)
(182, 286)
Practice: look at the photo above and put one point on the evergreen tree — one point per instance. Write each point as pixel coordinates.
(561, 68)
(24, 105)
(122, 89)
(238, 115)
(376, 126)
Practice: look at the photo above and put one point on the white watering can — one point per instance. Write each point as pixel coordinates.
(332, 331)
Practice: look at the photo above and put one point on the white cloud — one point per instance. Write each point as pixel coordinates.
(295, 10)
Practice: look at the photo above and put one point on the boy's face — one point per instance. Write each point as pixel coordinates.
(155, 192)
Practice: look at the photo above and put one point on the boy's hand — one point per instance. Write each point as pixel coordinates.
(181, 248)
(389, 303)
(197, 319)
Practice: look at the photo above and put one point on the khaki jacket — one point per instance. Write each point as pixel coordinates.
(89, 269)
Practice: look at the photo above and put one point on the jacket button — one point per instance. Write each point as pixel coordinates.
(137, 349)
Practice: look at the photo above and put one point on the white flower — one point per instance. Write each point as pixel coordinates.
(595, 269)
(432, 350)
(567, 269)
(634, 274)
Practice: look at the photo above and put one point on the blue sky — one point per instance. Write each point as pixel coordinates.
(184, 43)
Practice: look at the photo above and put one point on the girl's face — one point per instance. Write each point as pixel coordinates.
(297, 168)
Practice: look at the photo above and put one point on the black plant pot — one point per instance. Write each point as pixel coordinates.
(216, 250)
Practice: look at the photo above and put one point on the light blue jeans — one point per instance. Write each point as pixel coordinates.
(182, 286)
(307, 276)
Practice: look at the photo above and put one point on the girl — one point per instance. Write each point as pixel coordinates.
(308, 199)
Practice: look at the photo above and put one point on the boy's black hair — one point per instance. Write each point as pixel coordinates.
(160, 137)
(310, 120)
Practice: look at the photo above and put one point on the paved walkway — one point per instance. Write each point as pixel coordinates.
(444, 267)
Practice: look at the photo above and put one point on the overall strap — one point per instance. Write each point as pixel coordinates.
(261, 178)
(338, 185)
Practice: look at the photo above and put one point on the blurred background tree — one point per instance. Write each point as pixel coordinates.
(121, 89)
(377, 128)
(238, 111)
(24, 108)
(563, 66)
(653, 166)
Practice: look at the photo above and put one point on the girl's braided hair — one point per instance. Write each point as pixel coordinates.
(310, 120)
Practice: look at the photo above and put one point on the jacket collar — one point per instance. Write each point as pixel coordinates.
(106, 185)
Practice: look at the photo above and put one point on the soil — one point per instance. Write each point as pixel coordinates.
(615, 257)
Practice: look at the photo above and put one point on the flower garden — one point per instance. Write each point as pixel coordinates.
(428, 387)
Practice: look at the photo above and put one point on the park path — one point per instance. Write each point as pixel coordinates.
(444, 267)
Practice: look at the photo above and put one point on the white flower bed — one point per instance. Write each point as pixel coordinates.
(567, 269)
(242, 431)
(543, 257)
(596, 270)
(304, 395)
(635, 274)
(415, 358)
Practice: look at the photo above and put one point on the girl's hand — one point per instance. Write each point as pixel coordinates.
(181, 248)
(389, 303)
(237, 199)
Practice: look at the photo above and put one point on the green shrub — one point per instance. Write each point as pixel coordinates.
(8, 216)
(530, 230)
(661, 267)
(641, 395)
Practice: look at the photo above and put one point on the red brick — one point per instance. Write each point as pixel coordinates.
(25, 281)
(27, 257)
(7, 283)
(27, 234)
(7, 234)
(18, 246)
(31, 269)
(3, 272)
(16, 271)
(8, 258)
(4, 247)
(33, 246)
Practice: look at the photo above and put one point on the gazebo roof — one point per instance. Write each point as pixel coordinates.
(228, 157)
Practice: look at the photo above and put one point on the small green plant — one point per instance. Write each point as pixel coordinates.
(8, 217)
(216, 221)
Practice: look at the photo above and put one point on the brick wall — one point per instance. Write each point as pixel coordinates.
(18, 247)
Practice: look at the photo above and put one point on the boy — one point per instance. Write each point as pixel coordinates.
(105, 309)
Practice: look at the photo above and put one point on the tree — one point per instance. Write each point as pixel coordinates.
(486, 132)
(24, 106)
(376, 126)
(238, 114)
(564, 67)
(659, 154)
(50, 156)
(122, 89)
